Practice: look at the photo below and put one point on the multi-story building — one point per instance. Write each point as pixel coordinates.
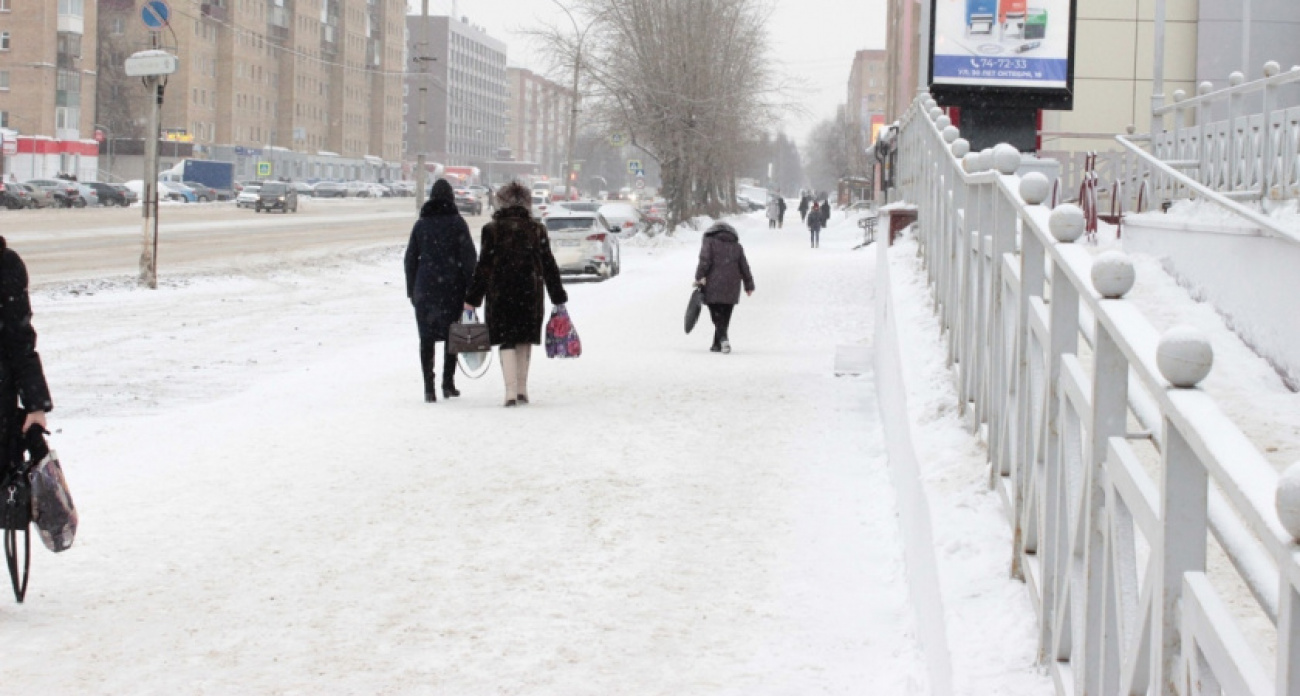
(537, 121)
(47, 80)
(308, 76)
(461, 71)
(868, 87)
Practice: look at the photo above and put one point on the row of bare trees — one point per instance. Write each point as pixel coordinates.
(689, 81)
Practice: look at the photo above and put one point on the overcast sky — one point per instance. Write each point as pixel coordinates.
(813, 42)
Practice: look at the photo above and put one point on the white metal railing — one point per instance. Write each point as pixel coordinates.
(1252, 151)
(1122, 488)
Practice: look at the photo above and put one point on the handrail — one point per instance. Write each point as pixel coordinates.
(1014, 298)
(1267, 225)
(1292, 75)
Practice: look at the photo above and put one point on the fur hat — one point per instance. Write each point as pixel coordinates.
(514, 195)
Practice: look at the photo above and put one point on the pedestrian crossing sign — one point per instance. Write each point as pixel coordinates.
(264, 169)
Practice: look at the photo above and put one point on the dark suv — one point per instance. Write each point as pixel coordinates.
(277, 195)
(110, 194)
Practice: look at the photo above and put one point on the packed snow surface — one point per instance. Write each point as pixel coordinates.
(267, 505)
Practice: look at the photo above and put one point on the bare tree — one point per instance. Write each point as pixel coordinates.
(829, 153)
(687, 80)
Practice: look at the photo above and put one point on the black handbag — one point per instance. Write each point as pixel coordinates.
(16, 509)
(693, 308)
(468, 338)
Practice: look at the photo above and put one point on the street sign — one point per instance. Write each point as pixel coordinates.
(618, 139)
(155, 14)
(264, 169)
(640, 183)
(151, 64)
(634, 166)
(10, 146)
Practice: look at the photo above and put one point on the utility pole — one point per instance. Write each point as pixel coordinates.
(422, 124)
(571, 174)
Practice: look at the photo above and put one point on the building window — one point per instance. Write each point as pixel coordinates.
(74, 8)
(4, 41)
(4, 119)
(67, 117)
(117, 26)
(4, 80)
(4, 5)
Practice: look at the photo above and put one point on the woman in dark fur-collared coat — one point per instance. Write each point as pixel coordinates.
(722, 271)
(22, 378)
(514, 265)
(439, 265)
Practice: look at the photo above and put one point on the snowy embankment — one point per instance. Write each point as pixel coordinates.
(268, 507)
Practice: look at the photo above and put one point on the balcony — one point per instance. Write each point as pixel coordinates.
(216, 9)
(277, 23)
(329, 43)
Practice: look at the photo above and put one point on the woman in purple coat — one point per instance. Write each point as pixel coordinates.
(721, 272)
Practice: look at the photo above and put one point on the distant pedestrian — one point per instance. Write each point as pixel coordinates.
(826, 212)
(815, 223)
(804, 202)
(780, 216)
(773, 212)
(439, 262)
(515, 265)
(721, 272)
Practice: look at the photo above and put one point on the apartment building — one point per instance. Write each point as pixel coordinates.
(868, 89)
(461, 97)
(47, 67)
(310, 76)
(537, 120)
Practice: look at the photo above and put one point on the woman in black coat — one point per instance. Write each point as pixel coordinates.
(514, 265)
(23, 390)
(439, 265)
(815, 224)
(721, 272)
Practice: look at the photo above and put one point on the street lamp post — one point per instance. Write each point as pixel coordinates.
(571, 175)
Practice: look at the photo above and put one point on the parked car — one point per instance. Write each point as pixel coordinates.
(87, 196)
(15, 196)
(202, 192)
(247, 197)
(277, 195)
(468, 203)
(625, 217)
(109, 194)
(303, 188)
(172, 191)
(583, 243)
(578, 206)
(65, 193)
(484, 194)
(329, 189)
(541, 204)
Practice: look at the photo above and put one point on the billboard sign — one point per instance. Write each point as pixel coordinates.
(1020, 52)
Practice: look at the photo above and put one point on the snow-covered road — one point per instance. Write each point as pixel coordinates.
(268, 507)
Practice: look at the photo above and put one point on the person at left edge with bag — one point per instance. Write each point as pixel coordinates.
(439, 263)
(22, 378)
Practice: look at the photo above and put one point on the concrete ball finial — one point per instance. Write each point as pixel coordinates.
(986, 159)
(1130, 129)
(1272, 68)
(1205, 87)
(1035, 188)
(1287, 500)
(950, 134)
(960, 148)
(1179, 95)
(930, 103)
(971, 162)
(1113, 274)
(1006, 158)
(935, 113)
(943, 122)
(1066, 222)
(1184, 356)
(1236, 78)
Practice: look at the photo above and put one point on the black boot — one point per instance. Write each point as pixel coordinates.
(448, 373)
(426, 369)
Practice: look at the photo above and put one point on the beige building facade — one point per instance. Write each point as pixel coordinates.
(310, 76)
(47, 67)
(537, 120)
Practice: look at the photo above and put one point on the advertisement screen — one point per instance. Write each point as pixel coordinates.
(1003, 44)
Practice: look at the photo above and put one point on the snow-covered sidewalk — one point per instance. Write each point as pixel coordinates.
(268, 507)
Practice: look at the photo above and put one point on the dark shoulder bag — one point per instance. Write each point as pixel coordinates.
(16, 508)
